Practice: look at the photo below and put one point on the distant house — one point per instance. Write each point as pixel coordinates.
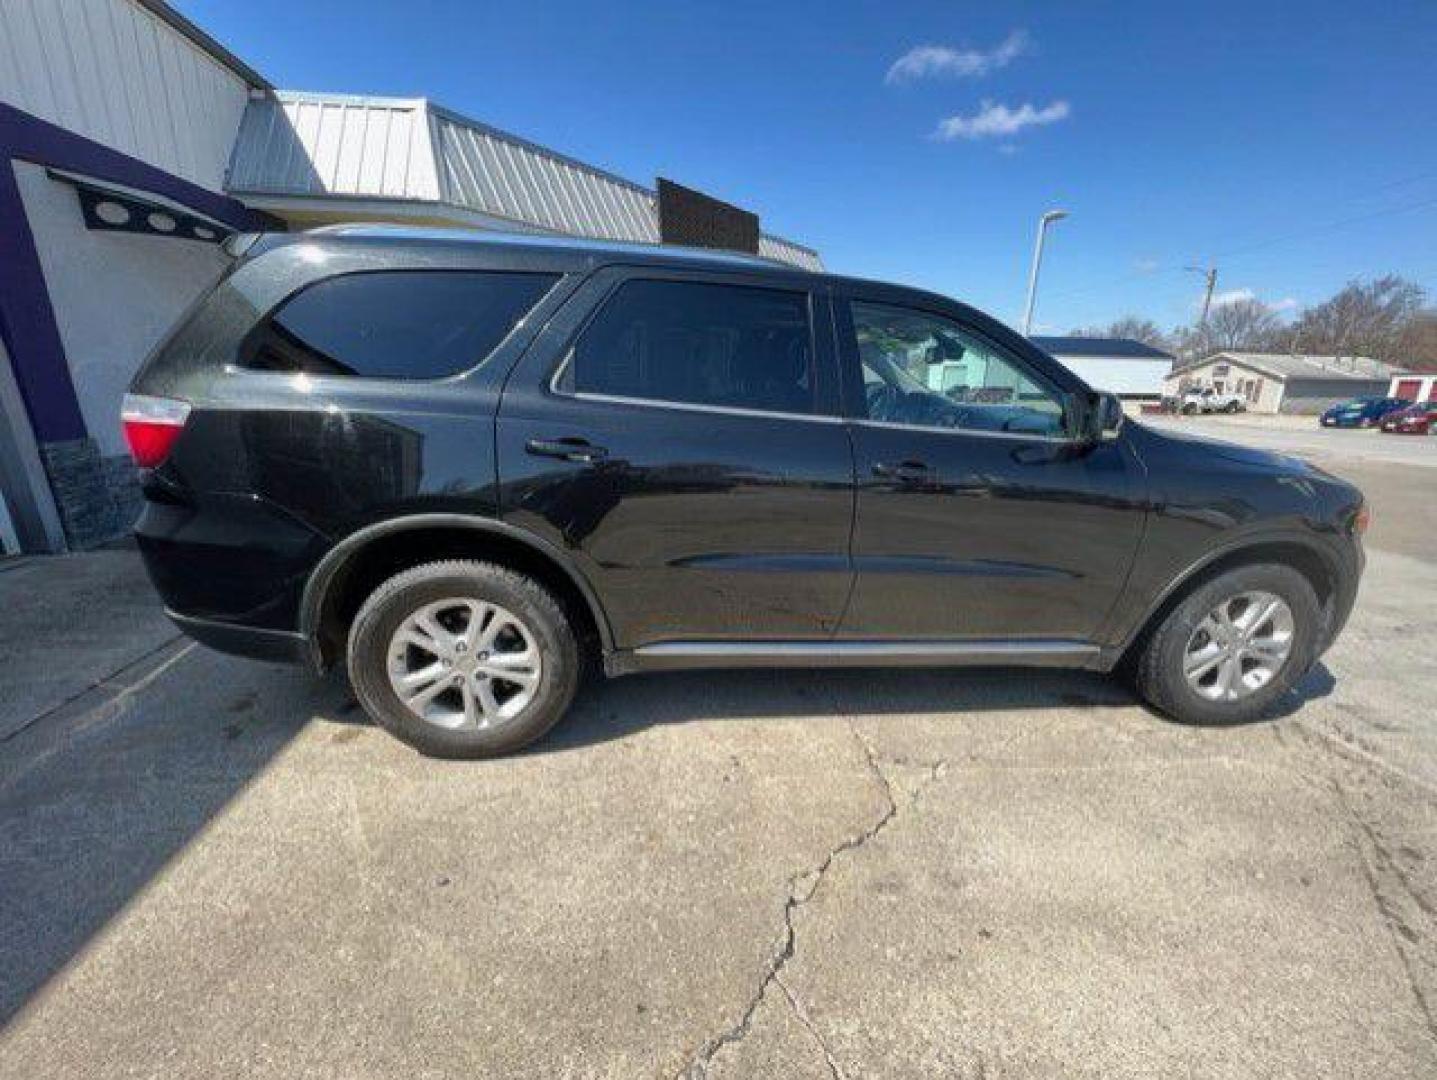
(1121, 366)
(1285, 383)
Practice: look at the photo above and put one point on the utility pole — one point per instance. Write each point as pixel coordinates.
(1210, 272)
(1043, 223)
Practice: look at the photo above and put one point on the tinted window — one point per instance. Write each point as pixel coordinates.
(411, 324)
(680, 341)
(928, 371)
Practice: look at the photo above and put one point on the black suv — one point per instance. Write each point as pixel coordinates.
(466, 463)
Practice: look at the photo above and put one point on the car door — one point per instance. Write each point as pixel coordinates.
(677, 434)
(977, 516)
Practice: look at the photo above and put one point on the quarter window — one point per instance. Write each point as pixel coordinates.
(406, 324)
(696, 343)
(927, 371)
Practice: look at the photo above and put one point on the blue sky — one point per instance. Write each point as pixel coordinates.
(1297, 149)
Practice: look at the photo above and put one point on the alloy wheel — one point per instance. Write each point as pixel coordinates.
(464, 663)
(1239, 646)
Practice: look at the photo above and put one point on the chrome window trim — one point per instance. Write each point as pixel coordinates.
(684, 406)
(822, 418)
(810, 297)
(979, 432)
(681, 406)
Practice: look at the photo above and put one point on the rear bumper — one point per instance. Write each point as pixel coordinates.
(228, 561)
(284, 646)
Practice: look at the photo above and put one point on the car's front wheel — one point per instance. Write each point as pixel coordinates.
(1234, 645)
(463, 659)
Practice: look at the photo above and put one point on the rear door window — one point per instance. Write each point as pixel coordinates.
(698, 343)
(403, 324)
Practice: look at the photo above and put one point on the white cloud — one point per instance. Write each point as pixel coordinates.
(943, 61)
(1236, 296)
(995, 119)
(1232, 296)
(1144, 265)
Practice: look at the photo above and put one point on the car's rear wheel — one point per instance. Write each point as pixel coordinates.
(1234, 645)
(463, 659)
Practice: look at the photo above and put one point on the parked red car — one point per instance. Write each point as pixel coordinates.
(1416, 419)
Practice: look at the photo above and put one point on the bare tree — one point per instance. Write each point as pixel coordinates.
(1248, 325)
(1417, 344)
(1363, 319)
(1131, 327)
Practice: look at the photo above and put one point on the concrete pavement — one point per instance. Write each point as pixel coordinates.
(70, 622)
(756, 874)
(1302, 435)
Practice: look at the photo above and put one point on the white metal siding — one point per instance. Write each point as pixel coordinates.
(775, 247)
(296, 145)
(113, 293)
(1119, 375)
(113, 72)
(482, 170)
(326, 145)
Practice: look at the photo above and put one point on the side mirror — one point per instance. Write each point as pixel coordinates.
(1099, 416)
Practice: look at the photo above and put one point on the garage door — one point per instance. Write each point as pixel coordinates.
(1408, 388)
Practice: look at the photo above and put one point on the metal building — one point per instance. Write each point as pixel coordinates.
(1132, 370)
(131, 143)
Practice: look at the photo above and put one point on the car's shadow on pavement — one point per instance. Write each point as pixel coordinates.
(95, 823)
(615, 709)
(94, 818)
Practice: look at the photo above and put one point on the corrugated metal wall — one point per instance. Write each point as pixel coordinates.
(396, 148)
(113, 72)
(497, 174)
(332, 145)
(775, 247)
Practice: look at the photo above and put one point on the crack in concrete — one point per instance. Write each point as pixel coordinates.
(1381, 863)
(802, 886)
(1398, 931)
(801, 1015)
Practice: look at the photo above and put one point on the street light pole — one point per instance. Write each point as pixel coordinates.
(1043, 222)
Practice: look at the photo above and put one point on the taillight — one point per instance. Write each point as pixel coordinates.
(152, 424)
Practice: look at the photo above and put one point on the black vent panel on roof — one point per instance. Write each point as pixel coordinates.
(694, 219)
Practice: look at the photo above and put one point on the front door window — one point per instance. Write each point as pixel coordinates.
(923, 370)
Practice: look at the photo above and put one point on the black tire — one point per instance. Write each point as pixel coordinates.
(390, 604)
(1158, 671)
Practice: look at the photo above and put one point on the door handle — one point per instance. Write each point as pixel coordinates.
(570, 448)
(905, 472)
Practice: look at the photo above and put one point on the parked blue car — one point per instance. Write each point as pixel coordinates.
(1363, 412)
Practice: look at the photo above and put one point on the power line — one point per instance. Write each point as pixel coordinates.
(1329, 227)
(1271, 242)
